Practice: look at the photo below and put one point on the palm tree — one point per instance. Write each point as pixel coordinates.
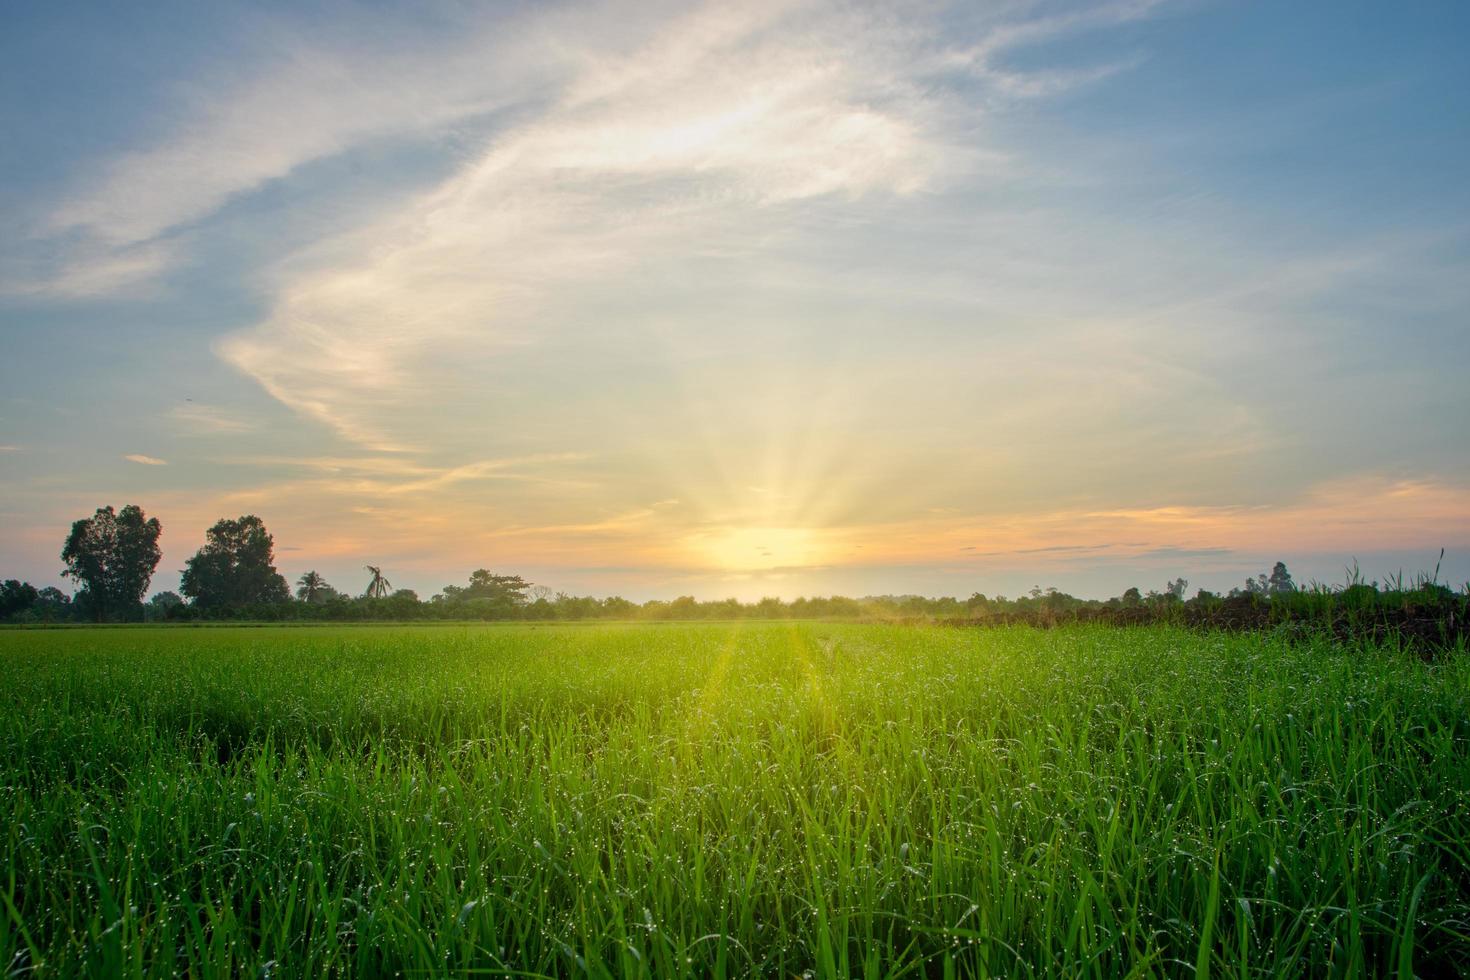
(311, 587)
(379, 587)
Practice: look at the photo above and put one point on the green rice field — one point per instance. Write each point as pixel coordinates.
(750, 799)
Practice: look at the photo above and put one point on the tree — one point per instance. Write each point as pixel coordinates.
(162, 605)
(1176, 588)
(113, 555)
(1280, 581)
(311, 587)
(617, 606)
(52, 605)
(403, 604)
(506, 588)
(488, 596)
(378, 587)
(16, 598)
(1132, 598)
(235, 567)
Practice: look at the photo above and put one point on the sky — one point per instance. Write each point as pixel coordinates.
(743, 299)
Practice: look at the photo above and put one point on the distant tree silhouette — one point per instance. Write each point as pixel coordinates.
(16, 598)
(236, 567)
(378, 586)
(484, 584)
(1280, 581)
(52, 605)
(161, 605)
(113, 556)
(311, 587)
(488, 596)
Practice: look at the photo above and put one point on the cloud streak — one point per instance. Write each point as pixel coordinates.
(209, 420)
(628, 136)
(715, 116)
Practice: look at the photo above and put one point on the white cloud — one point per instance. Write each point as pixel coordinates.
(712, 127)
(389, 476)
(92, 270)
(305, 101)
(145, 460)
(209, 419)
(631, 137)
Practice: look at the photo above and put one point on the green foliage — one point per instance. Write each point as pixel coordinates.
(774, 799)
(311, 587)
(52, 605)
(235, 568)
(162, 606)
(113, 556)
(16, 598)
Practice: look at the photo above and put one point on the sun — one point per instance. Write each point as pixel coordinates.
(751, 549)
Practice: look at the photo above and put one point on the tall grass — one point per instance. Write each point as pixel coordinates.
(725, 800)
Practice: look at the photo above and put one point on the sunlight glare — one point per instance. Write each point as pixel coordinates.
(744, 549)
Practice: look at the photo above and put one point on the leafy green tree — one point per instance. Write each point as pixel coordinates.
(615, 606)
(508, 588)
(684, 607)
(1280, 581)
(312, 588)
(16, 598)
(52, 605)
(770, 607)
(113, 555)
(236, 567)
(161, 605)
(403, 604)
(488, 596)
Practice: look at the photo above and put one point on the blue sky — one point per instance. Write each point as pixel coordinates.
(791, 298)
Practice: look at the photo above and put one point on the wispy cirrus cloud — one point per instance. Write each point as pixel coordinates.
(718, 115)
(293, 96)
(301, 101)
(386, 477)
(88, 271)
(209, 419)
(145, 460)
(627, 132)
(1376, 511)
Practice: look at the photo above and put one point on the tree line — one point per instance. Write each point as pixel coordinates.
(112, 557)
